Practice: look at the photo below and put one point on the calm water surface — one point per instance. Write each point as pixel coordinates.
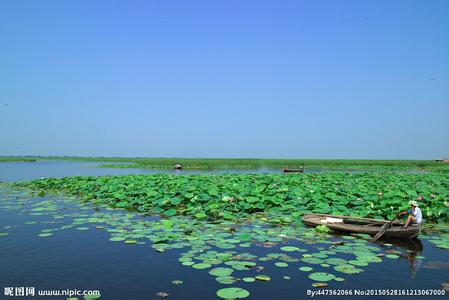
(86, 259)
(18, 171)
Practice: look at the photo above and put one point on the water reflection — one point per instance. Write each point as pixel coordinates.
(413, 251)
(410, 245)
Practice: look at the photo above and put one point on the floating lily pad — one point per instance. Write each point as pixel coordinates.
(321, 276)
(226, 279)
(312, 260)
(232, 241)
(221, 272)
(347, 269)
(45, 234)
(369, 258)
(225, 245)
(248, 279)
(360, 263)
(240, 265)
(117, 238)
(443, 245)
(289, 248)
(363, 235)
(201, 266)
(281, 264)
(319, 255)
(335, 261)
(263, 277)
(305, 269)
(232, 293)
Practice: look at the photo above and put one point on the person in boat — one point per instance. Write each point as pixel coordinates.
(414, 214)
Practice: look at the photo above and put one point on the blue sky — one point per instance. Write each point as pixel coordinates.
(280, 79)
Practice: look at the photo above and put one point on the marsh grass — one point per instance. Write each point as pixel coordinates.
(243, 163)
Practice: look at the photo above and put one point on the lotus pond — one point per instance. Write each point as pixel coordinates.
(217, 236)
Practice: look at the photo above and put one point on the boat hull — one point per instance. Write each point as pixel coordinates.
(363, 225)
(293, 170)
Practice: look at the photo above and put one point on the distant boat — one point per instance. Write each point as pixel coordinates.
(178, 167)
(361, 225)
(287, 170)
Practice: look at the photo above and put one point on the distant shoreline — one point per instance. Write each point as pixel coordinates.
(239, 163)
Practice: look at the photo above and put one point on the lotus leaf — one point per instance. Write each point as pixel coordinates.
(321, 276)
(263, 277)
(232, 293)
(221, 272)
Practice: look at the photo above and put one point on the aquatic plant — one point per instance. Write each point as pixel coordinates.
(215, 218)
(238, 196)
(322, 229)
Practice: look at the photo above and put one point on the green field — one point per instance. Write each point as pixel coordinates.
(248, 164)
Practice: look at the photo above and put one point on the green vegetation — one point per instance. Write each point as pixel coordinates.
(322, 229)
(18, 159)
(217, 225)
(232, 293)
(284, 198)
(249, 164)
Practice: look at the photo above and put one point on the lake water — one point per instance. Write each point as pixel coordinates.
(81, 256)
(18, 171)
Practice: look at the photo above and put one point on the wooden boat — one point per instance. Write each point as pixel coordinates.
(286, 170)
(362, 225)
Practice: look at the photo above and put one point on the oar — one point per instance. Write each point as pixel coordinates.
(383, 229)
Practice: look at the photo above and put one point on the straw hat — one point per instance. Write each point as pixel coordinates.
(414, 203)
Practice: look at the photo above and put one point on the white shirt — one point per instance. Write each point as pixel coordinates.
(418, 215)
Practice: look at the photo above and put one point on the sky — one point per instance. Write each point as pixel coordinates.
(267, 79)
